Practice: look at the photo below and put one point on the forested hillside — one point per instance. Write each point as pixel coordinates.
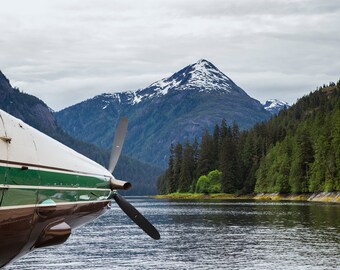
(36, 113)
(296, 151)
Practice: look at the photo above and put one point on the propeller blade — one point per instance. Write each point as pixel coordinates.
(136, 217)
(118, 142)
(128, 209)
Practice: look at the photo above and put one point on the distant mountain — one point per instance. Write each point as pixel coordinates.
(173, 109)
(274, 105)
(26, 107)
(36, 113)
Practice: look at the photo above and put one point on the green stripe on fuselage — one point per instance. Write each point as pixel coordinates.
(48, 186)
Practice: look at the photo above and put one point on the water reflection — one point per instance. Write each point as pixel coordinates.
(203, 235)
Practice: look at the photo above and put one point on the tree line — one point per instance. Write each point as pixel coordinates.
(296, 151)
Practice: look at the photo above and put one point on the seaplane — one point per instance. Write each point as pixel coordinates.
(47, 189)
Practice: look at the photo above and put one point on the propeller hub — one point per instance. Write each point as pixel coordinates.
(118, 184)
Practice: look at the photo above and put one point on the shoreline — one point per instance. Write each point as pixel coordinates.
(329, 197)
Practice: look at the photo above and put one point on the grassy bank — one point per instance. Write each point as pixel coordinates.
(193, 196)
(317, 197)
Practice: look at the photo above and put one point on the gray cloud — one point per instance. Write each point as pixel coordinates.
(65, 51)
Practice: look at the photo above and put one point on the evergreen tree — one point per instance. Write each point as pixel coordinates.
(172, 185)
(216, 146)
(162, 187)
(335, 143)
(223, 130)
(187, 169)
(226, 165)
(318, 168)
(196, 155)
(178, 164)
(205, 161)
(305, 156)
(235, 156)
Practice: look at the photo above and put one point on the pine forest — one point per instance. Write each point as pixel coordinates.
(296, 151)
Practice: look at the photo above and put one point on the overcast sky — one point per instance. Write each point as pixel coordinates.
(65, 51)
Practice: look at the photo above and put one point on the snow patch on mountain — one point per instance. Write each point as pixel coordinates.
(135, 98)
(201, 76)
(274, 105)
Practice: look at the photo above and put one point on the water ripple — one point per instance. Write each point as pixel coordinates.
(202, 235)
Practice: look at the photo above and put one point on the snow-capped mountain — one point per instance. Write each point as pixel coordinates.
(176, 108)
(274, 105)
(201, 76)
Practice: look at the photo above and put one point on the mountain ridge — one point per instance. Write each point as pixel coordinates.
(36, 113)
(192, 99)
(191, 77)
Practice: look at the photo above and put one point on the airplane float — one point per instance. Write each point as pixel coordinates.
(48, 189)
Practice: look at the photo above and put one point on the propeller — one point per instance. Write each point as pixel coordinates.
(127, 208)
(136, 217)
(118, 142)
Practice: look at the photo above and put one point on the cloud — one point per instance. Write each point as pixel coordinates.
(65, 51)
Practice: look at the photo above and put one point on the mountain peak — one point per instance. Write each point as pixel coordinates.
(274, 105)
(203, 64)
(201, 76)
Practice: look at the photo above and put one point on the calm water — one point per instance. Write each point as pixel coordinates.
(203, 235)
